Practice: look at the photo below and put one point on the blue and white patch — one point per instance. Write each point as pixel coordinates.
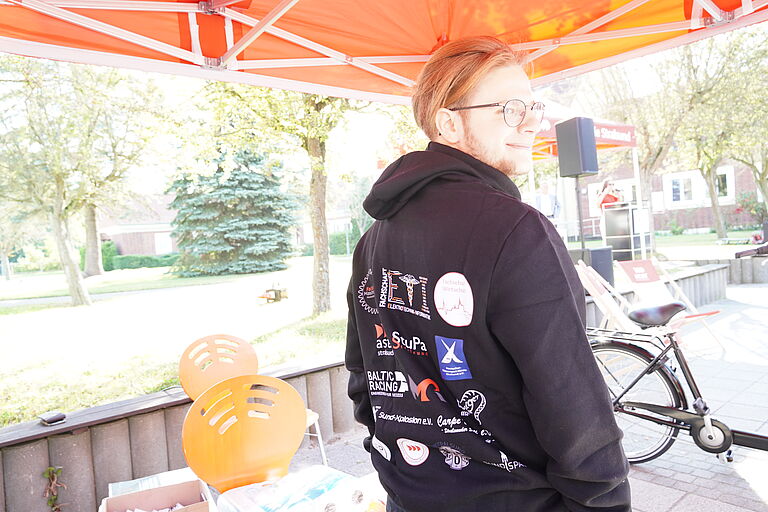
(450, 357)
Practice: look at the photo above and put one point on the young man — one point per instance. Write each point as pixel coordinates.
(466, 348)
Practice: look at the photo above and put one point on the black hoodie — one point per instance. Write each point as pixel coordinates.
(466, 349)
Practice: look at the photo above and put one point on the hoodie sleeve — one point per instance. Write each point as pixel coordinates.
(534, 311)
(357, 388)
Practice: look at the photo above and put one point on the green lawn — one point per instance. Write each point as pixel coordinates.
(48, 284)
(307, 339)
(663, 241)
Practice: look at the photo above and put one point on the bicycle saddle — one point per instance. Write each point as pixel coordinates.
(657, 315)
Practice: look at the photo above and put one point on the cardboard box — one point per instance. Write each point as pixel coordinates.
(194, 495)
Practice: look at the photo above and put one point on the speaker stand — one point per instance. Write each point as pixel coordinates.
(578, 213)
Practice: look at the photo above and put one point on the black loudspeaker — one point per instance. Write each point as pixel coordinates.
(576, 149)
(599, 258)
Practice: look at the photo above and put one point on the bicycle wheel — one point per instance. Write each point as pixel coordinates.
(644, 440)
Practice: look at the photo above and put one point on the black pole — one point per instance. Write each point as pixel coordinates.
(578, 211)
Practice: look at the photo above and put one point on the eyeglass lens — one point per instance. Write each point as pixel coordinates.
(516, 110)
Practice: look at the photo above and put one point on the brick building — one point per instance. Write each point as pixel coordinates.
(140, 227)
(680, 199)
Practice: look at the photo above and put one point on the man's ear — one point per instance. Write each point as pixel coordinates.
(450, 126)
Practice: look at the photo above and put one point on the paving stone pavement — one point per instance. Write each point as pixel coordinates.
(733, 376)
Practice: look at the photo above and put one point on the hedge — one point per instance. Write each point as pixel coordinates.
(143, 261)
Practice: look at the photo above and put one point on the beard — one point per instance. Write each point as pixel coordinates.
(508, 164)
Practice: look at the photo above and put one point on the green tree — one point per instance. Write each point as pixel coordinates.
(249, 113)
(681, 111)
(68, 136)
(721, 71)
(15, 230)
(234, 221)
(751, 141)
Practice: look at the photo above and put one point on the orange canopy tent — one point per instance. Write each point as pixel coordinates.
(608, 134)
(358, 49)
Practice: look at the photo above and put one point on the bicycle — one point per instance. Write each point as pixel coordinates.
(650, 404)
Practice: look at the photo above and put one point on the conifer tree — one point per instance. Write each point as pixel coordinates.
(234, 221)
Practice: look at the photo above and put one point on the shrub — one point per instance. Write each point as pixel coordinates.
(675, 228)
(757, 209)
(143, 261)
(37, 267)
(108, 251)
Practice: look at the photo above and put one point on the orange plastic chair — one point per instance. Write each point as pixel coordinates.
(243, 430)
(220, 356)
(214, 358)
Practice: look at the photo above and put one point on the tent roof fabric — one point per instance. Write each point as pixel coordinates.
(608, 134)
(353, 48)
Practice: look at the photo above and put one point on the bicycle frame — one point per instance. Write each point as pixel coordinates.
(678, 417)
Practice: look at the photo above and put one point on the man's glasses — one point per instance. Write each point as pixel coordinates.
(514, 111)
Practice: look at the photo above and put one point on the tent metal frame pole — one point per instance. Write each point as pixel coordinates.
(714, 11)
(122, 5)
(49, 51)
(323, 61)
(574, 38)
(110, 30)
(319, 48)
(589, 27)
(194, 34)
(689, 37)
(267, 21)
(660, 28)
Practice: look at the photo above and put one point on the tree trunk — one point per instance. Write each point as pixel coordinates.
(321, 291)
(5, 266)
(760, 173)
(710, 178)
(77, 290)
(93, 262)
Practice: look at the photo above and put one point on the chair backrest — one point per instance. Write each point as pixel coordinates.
(214, 358)
(243, 430)
(611, 304)
(646, 283)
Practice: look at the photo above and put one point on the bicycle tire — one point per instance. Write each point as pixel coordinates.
(619, 364)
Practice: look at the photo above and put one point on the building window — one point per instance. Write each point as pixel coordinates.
(721, 184)
(682, 190)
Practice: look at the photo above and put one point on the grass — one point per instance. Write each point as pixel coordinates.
(32, 391)
(28, 392)
(308, 339)
(13, 310)
(663, 241)
(53, 284)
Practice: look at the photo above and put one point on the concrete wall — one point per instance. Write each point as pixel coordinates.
(753, 269)
(116, 442)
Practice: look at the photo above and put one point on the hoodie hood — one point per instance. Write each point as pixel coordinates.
(407, 175)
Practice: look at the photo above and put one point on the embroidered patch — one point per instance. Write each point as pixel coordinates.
(453, 457)
(413, 452)
(404, 292)
(383, 345)
(366, 294)
(454, 300)
(450, 356)
(472, 402)
(381, 448)
(506, 464)
(386, 383)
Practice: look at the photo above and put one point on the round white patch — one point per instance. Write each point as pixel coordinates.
(413, 452)
(454, 300)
